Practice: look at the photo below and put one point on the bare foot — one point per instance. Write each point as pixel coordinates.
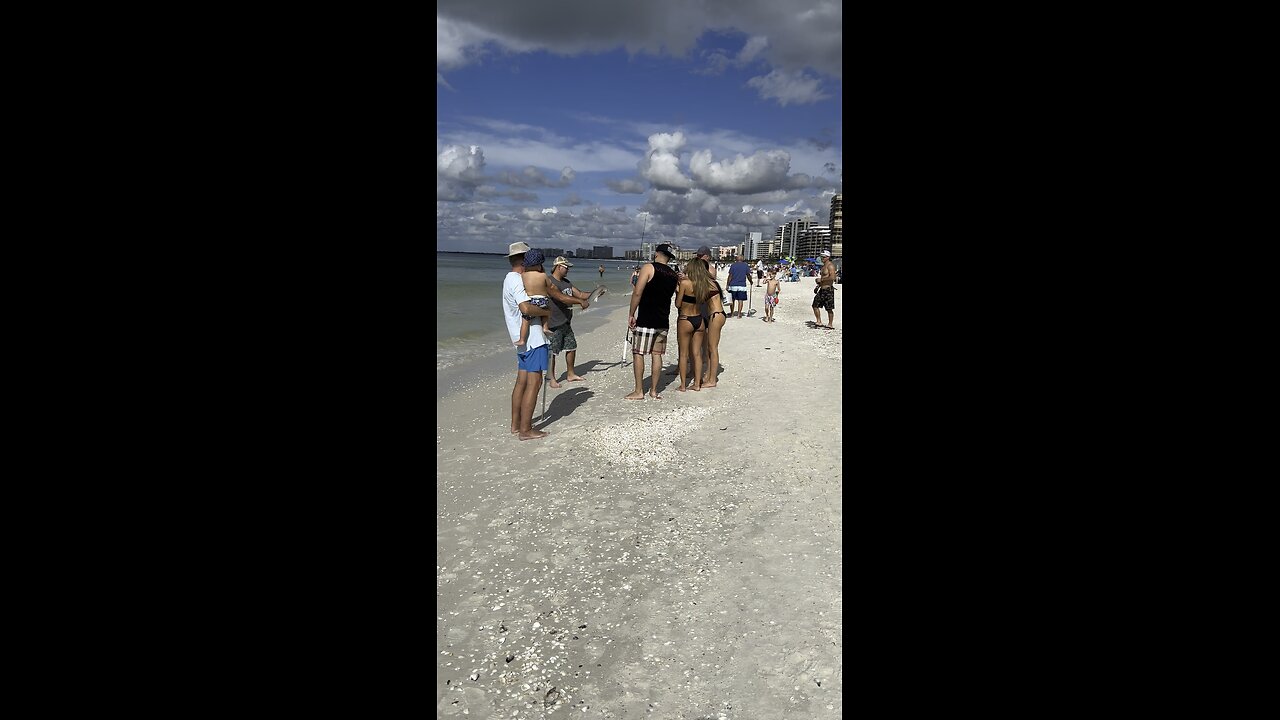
(697, 388)
(681, 388)
(555, 385)
(515, 430)
(533, 435)
(574, 378)
(707, 385)
(656, 397)
(634, 396)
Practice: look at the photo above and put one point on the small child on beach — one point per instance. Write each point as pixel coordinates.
(772, 289)
(535, 281)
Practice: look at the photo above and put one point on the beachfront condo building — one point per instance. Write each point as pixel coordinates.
(813, 240)
(753, 239)
(602, 252)
(836, 222)
(788, 236)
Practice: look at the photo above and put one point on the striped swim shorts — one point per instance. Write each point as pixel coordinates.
(648, 340)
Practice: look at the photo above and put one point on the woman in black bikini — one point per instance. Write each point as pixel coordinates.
(713, 326)
(695, 288)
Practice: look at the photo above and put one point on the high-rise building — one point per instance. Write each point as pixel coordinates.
(836, 221)
(788, 236)
(646, 251)
(723, 252)
(553, 253)
(765, 248)
(602, 252)
(837, 249)
(813, 240)
(752, 240)
(632, 255)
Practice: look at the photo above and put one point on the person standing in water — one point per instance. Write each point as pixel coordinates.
(601, 272)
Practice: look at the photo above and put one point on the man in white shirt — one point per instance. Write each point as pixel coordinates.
(532, 356)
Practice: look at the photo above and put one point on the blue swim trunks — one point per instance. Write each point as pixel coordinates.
(534, 361)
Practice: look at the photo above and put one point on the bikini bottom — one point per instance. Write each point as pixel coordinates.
(694, 320)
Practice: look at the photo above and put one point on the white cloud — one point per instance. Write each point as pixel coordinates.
(458, 162)
(752, 49)
(788, 88)
(661, 166)
(459, 171)
(766, 170)
(517, 146)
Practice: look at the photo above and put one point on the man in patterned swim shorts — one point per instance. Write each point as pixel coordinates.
(649, 326)
(825, 294)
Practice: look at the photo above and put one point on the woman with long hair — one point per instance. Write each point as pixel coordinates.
(693, 290)
(715, 323)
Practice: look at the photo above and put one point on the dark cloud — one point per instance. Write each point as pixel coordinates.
(789, 36)
(533, 177)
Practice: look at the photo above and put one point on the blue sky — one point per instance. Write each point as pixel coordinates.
(568, 123)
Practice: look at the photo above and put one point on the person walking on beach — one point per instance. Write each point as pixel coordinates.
(738, 272)
(772, 289)
(562, 337)
(824, 295)
(650, 319)
(759, 273)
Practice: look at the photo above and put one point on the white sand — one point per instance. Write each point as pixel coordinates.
(697, 537)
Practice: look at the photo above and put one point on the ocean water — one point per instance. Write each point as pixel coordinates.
(469, 319)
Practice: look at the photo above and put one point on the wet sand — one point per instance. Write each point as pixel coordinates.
(674, 558)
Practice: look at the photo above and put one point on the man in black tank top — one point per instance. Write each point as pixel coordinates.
(650, 318)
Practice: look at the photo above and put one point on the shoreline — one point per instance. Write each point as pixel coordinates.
(647, 558)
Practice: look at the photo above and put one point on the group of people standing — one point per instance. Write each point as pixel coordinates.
(698, 301)
(533, 299)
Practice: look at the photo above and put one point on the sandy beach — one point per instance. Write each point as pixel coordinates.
(674, 558)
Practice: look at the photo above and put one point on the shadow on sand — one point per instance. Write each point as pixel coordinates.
(563, 404)
(595, 366)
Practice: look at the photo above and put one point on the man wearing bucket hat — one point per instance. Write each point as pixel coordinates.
(517, 305)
